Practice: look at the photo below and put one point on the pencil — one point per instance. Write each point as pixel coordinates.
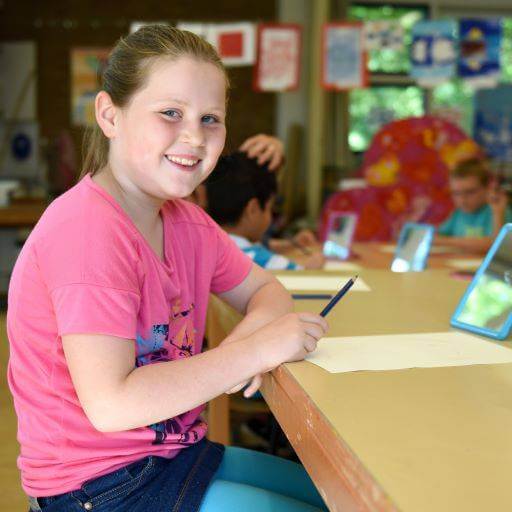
(338, 296)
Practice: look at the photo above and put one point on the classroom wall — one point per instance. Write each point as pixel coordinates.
(100, 23)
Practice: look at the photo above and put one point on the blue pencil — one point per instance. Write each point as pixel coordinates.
(338, 296)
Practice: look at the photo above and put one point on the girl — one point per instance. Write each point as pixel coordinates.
(107, 307)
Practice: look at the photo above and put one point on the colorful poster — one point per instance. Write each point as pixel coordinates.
(278, 61)
(343, 56)
(87, 64)
(493, 122)
(433, 51)
(383, 35)
(235, 42)
(480, 44)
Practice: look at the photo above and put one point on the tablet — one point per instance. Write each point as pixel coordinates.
(486, 307)
(413, 248)
(341, 227)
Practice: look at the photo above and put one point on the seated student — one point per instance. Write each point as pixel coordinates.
(480, 208)
(240, 196)
(268, 150)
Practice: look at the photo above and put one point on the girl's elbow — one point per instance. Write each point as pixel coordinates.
(103, 417)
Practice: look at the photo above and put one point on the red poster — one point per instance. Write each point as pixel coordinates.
(278, 61)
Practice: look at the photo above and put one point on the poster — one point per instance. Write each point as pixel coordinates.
(87, 65)
(480, 44)
(493, 121)
(235, 42)
(434, 51)
(278, 61)
(383, 35)
(343, 56)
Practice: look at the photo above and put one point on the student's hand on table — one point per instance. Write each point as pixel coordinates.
(305, 238)
(266, 149)
(313, 261)
(286, 339)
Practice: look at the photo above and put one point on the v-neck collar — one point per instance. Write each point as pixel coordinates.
(166, 261)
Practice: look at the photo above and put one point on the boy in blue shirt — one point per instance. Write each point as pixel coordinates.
(480, 208)
(240, 195)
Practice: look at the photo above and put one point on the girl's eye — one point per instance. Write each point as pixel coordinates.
(174, 114)
(209, 119)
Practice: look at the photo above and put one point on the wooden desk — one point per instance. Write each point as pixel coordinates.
(21, 214)
(437, 439)
(421, 439)
(372, 255)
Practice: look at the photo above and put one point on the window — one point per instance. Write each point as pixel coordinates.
(371, 108)
(374, 107)
(389, 60)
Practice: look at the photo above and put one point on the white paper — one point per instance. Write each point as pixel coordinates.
(464, 264)
(341, 265)
(396, 352)
(436, 249)
(324, 283)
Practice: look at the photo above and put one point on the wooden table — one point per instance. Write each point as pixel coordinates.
(374, 255)
(21, 213)
(437, 439)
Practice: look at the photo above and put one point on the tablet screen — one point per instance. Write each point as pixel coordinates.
(413, 248)
(488, 305)
(339, 236)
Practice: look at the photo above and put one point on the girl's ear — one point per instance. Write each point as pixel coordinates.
(105, 114)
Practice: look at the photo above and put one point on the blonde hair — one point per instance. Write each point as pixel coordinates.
(128, 70)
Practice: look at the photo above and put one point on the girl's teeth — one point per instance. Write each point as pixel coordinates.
(182, 161)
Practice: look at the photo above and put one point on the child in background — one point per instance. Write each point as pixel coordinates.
(480, 208)
(267, 150)
(107, 306)
(240, 196)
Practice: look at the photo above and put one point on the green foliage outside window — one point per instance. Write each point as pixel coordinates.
(375, 106)
(371, 108)
(389, 60)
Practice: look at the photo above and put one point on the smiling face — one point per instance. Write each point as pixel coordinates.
(168, 138)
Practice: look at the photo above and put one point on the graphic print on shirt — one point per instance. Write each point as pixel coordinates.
(169, 342)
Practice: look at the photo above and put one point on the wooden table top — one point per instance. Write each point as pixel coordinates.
(22, 213)
(411, 440)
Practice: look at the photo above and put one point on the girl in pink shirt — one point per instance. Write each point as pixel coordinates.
(107, 306)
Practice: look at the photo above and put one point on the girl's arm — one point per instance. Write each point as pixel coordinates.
(261, 298)
(116, 395)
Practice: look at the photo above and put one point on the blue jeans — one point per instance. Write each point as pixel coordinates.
(194, 481)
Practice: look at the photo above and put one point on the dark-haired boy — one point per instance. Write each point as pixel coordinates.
(240, 195)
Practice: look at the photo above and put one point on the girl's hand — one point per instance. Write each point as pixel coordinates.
(288, 338)
(266, 149)
(252, 386)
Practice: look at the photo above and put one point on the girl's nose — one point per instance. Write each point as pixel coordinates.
(193, 134)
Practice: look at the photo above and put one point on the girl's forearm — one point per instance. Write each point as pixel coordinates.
(159, 391)
(271, 301)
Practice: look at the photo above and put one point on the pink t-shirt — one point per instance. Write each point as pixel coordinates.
(87, 269)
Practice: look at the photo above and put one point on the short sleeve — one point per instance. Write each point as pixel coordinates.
(232, 265)
(84, 308)
(447, 227)
(90, 265)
